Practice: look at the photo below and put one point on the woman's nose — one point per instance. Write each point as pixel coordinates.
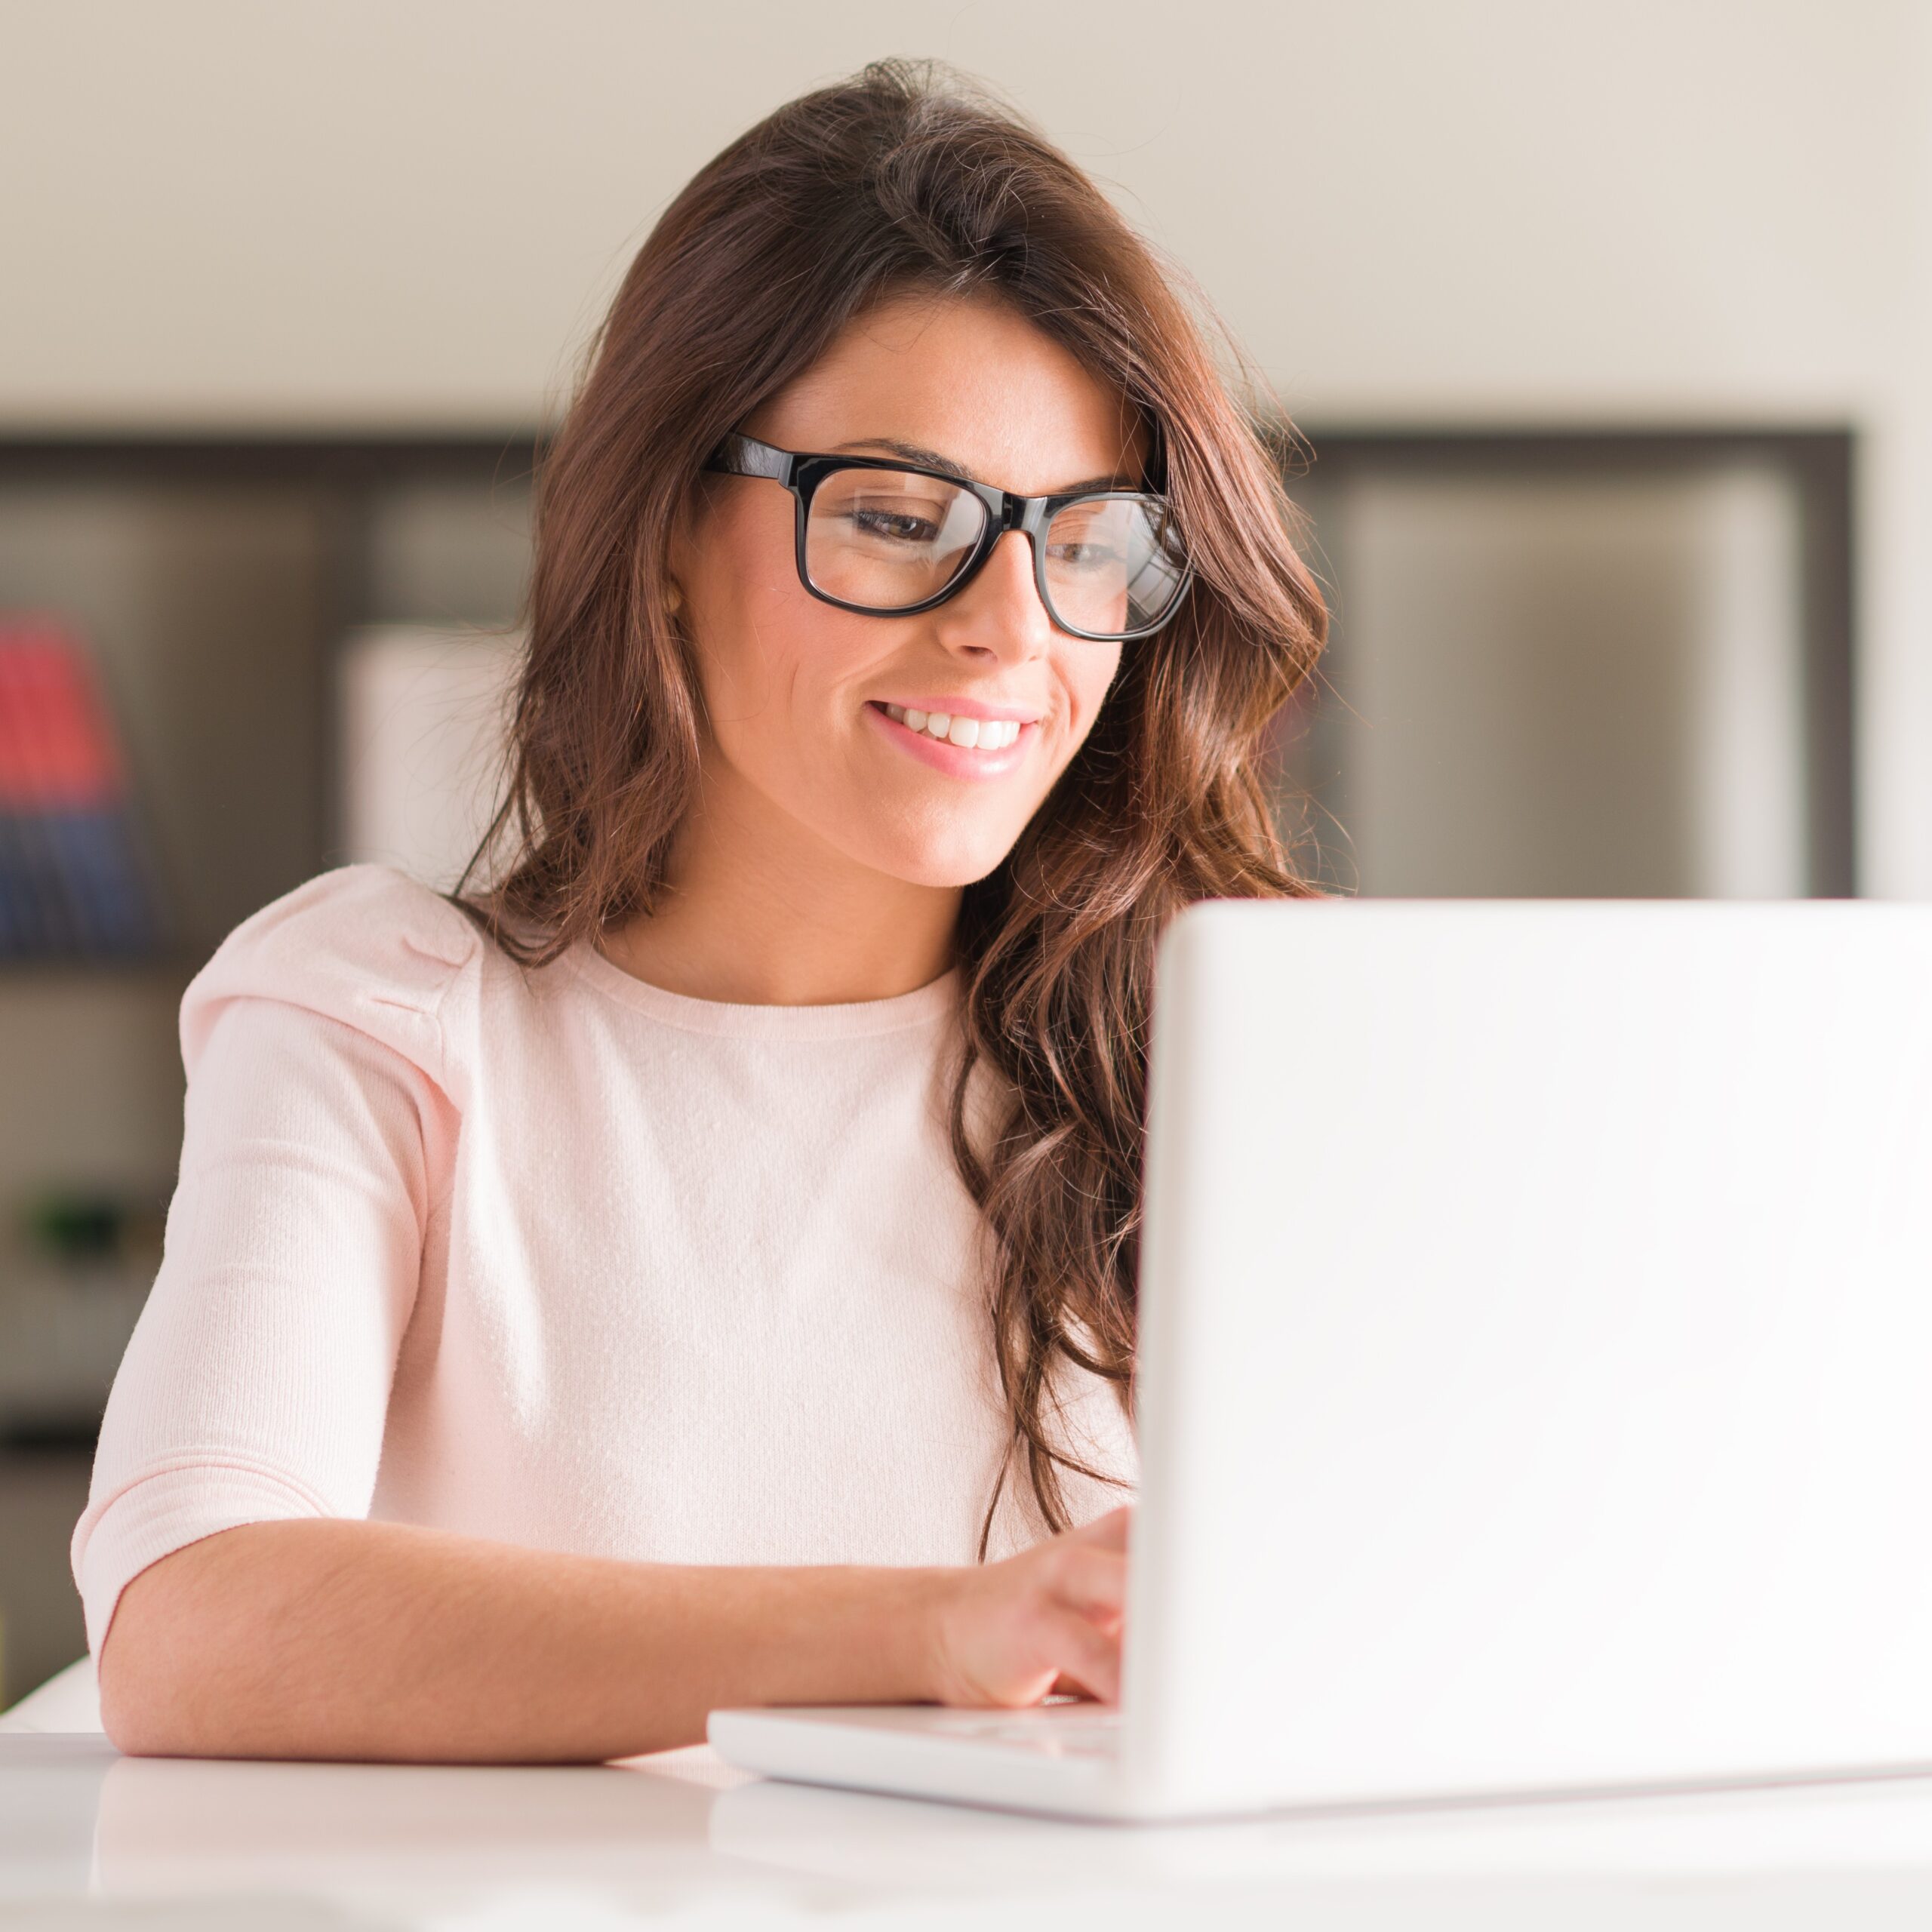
(1000, 610)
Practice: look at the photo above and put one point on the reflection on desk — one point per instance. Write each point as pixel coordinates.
(682, 1836)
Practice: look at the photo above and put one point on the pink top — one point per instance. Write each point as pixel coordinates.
(559, 1257)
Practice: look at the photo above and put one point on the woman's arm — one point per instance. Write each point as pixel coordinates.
(350, 1639)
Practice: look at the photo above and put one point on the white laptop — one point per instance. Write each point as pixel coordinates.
(1535, 1372)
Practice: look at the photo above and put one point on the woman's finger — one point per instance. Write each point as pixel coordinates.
(1086, 1655)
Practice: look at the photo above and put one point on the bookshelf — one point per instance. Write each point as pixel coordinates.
(210, 582)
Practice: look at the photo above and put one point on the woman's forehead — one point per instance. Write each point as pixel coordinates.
(969, 378)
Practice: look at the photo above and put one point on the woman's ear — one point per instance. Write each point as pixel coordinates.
(678, 554)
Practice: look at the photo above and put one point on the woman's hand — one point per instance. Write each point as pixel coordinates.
(1049, 1620)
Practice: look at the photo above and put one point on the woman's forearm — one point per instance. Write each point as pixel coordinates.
(361, 1640)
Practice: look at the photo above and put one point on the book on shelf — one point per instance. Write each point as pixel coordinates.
(423, 723)
(75, 879)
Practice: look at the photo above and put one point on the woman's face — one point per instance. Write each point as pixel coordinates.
(797, 689)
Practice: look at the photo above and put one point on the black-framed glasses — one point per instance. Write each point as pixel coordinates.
(888, 538)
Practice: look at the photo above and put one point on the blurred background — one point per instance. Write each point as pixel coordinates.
(1605, 332)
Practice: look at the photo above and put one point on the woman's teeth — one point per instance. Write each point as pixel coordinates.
(989, 735)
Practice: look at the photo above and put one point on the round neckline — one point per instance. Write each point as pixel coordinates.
(732, 1019)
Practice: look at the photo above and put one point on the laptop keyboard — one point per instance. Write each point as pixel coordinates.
(1084, 1734)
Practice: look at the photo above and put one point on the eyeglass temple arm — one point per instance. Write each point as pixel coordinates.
(745, 456)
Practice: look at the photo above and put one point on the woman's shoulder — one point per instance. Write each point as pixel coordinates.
(365, 944)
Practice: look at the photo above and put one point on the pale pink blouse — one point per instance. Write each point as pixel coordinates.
(559, 1257)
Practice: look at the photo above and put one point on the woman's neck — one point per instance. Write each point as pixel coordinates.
(758, 910)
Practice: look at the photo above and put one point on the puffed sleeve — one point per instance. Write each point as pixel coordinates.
(319, 1132)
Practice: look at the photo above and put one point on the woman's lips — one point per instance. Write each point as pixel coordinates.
(955, 761)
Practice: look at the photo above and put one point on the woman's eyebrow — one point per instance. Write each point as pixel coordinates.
(909, 452)
(926, 459)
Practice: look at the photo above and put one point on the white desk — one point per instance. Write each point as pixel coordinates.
(93, 1839)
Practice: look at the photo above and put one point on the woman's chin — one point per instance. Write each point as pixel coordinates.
(948, 865)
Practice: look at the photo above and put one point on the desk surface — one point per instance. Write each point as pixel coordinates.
(93, 1838)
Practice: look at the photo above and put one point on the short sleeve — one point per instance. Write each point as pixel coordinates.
(318, 1130)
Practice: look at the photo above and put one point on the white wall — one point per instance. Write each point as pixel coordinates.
(408, 212)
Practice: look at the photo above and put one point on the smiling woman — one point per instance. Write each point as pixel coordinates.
(795, 687)
(696, 1264)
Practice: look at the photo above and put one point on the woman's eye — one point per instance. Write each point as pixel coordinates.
(895, 526)
(1087, 556)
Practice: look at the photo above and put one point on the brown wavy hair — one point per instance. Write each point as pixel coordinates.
(907, 176)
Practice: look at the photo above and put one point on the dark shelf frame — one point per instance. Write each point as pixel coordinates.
(1822, 461)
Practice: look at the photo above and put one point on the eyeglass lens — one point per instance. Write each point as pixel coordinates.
(888, 539)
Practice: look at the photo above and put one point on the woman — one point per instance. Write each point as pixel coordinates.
(698, 1269)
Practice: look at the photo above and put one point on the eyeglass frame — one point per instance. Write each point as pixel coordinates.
(802, 471)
